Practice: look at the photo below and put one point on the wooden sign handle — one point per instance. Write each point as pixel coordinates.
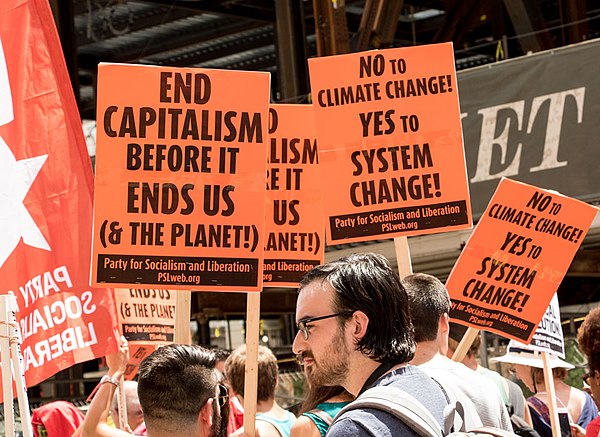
(403, 256)
(464, 345)
(183, 299)
(251, 374)
(551, 394)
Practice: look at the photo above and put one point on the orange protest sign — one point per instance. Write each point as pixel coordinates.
(46, 185)
(137, 353)
(516, 258)
(146, 316)
(390, 143)
(180, 178)
(295, 227)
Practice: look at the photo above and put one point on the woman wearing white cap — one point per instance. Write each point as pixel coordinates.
(589, 341)
(529, 368)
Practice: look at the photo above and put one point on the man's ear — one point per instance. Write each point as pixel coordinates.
(444, 324)
(360, 323)
(205, 418)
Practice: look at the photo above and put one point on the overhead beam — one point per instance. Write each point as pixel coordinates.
(576, 27)
(368, 23)
(89, 55)
(529, 25)
(260, 10)
(461, 17)
(387, 23)
(331, 27)
(290, 41)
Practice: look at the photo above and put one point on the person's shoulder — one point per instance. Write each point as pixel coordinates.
(267, 429)
(304, 427)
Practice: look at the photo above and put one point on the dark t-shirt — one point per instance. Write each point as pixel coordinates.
(377, 423)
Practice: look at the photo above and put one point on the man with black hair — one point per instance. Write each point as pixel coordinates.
(179, 392)
(429, 304)
(354, 330)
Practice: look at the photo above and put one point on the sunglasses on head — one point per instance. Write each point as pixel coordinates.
(223, 396)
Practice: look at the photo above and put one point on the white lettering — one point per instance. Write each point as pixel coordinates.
(488, 141)
(554, 124)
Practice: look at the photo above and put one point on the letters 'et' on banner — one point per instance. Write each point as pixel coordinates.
(390, 143)
(516, 259)
(295, 227)
(181, 165)
(46, 185)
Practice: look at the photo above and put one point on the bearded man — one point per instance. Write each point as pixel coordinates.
(354, 330)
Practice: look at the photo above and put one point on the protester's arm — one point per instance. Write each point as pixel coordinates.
(95, 423)
(577, 431)
(527, 415)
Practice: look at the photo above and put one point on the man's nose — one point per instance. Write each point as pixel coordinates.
(299, 341)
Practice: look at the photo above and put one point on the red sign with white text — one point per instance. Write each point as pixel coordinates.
(46, 192)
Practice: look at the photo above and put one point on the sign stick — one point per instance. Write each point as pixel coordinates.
(551, 394)
(19, 376)
(183, 300)
(12, 367)
(9, 408)
(403, 256)
(122, 404)
(251, 375)
(465, 344)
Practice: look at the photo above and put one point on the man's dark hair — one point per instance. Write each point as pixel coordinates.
(175, 382)
(428, 300)
(220, 354)
(366, 282)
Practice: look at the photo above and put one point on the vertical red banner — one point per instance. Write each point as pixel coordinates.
(46, 186)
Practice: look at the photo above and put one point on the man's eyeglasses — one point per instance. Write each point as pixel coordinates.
(303, 323)
(586, 377)
(223, 396)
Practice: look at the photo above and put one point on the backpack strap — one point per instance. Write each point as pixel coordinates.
(456, 412)
(322, 415)
(400, 404)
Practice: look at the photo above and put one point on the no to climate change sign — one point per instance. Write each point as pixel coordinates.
(180, 178)
(390, 143)
(516, 258)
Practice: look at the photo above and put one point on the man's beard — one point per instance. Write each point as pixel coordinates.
(216, 430)
(332, 367)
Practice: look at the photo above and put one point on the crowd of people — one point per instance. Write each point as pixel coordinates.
(361, 330)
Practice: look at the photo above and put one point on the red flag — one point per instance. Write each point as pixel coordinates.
(46, 185)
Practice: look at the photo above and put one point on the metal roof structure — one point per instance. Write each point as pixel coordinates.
(278, 35)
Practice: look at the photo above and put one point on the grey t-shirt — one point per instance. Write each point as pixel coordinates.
(377, 423)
